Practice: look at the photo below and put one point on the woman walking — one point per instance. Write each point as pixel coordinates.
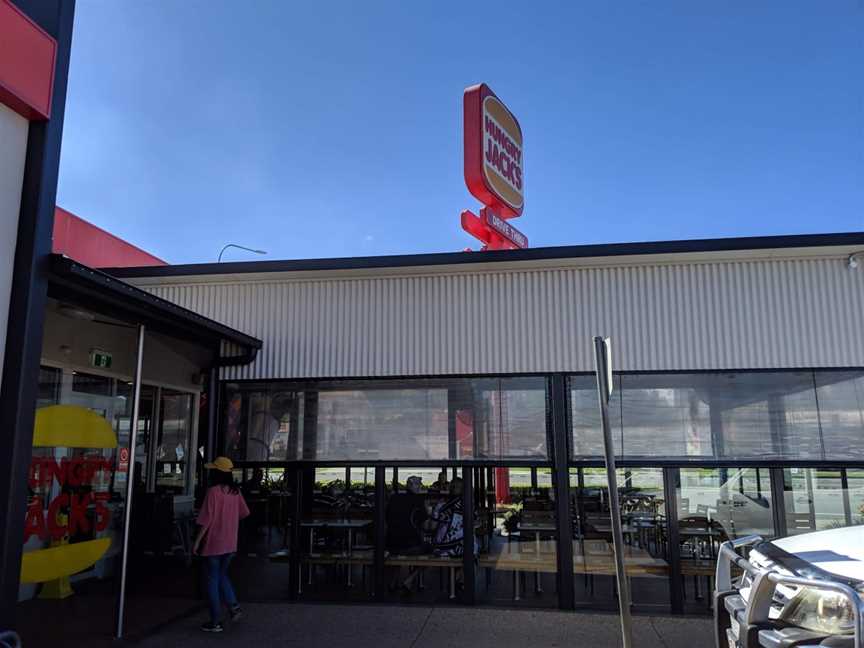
(219, 519)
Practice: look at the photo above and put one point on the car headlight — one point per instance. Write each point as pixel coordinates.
(820, 611)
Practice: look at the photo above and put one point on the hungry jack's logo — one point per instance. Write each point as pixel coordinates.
(502, 152)
(75, 473)
(67, 513)
(494, 171)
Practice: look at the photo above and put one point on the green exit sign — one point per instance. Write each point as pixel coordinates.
(100, 359)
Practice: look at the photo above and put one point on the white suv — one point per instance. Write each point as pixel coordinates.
(801, 591)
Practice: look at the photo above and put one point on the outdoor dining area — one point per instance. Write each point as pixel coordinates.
(478, 491)
(339, 533)
(397, 533)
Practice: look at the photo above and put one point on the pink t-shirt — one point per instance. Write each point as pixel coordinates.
(220, 515)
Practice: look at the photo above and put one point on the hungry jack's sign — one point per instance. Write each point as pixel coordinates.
(494, 171)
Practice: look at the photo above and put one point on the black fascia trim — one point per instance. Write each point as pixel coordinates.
(406, 463)
(315, 381)
(69, 273)
(499, 256)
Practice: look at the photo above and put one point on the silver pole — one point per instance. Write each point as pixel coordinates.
(604, 390)
(130, 482)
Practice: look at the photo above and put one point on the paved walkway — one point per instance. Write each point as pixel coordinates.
(363, 626)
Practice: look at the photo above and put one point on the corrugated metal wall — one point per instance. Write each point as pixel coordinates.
(716, 315)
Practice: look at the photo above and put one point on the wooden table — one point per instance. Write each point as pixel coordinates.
(598, 557)
(544, 560)
(336, 523)
(590, 557)
(538, 528)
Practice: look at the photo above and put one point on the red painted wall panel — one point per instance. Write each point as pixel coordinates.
(93, 246)
(27, 58)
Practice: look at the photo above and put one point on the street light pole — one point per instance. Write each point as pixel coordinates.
(239, 247)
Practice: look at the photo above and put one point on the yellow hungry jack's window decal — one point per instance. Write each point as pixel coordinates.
(68, 426)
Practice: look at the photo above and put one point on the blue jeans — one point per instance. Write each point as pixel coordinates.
(219, 588)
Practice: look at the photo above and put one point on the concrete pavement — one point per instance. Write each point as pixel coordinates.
(367, 626)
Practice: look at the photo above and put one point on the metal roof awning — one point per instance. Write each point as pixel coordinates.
(70, 281)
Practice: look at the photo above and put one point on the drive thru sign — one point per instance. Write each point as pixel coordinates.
(494, 171)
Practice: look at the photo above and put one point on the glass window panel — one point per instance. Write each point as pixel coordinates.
(90, 507)
(49, 386)
(288, 408)
(388, 420)
(585, 416)
(262, 427)
(643, 520)
(337, 532)
(85, 383)
(545, 480)
(516, 528)
(815, 500)
(841, 413)
(332, 477)
(511, 415)
(146, 427)
(855, 482)
(391, 479)
(275, 425)
(234, 423)
(770, 414)
(362, 477)
(746, 431)
(431, 479)
(736, 500)
(423, 535)
(715, 505)
(406, 424)
(699, 415)
(173, 449)
(669, 408)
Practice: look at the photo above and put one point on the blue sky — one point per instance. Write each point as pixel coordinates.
(315, 129)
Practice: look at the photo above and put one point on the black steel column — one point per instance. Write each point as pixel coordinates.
(453, 402)
(380, 531)
(671, 486)
(847, 505)
(27, 303)
(213, 412)
(468, 535)
(718, 441)
(778, 503)
(560, 457)
(294, 578)
(310, 426)
(294, 425)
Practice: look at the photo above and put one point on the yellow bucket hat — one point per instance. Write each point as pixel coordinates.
(222, 464)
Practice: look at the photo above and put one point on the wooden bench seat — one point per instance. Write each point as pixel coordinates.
(451, 563)
(424, 560)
